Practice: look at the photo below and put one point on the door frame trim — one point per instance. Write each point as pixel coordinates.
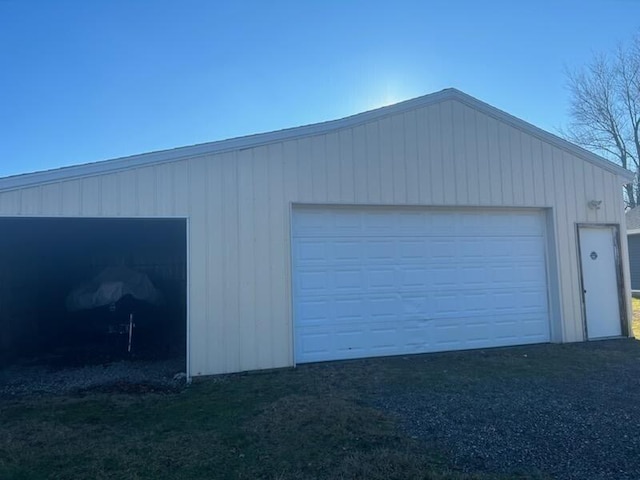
(624, 321)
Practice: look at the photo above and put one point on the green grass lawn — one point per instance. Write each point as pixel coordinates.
(315, 421)
(635, 304)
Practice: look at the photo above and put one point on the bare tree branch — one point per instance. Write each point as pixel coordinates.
(605, 109)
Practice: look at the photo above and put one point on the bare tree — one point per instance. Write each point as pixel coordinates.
(605, 110)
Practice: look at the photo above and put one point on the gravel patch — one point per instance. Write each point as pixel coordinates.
(572, 428)
(122, 377)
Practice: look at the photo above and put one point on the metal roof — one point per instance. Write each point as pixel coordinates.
(171, 155)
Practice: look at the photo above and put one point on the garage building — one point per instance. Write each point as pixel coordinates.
(439, 223)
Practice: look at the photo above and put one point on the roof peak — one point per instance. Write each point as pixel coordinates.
(254, 140)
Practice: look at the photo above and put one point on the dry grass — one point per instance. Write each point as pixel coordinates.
(312, 422)
(635, 304)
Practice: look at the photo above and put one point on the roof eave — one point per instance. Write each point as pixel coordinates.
(220, 146)
(625, 175)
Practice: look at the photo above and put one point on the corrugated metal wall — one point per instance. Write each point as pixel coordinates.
(634, 261)
(446, 154)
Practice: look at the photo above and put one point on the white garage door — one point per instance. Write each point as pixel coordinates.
(377, 281)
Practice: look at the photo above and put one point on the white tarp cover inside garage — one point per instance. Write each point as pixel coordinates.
(384, 281)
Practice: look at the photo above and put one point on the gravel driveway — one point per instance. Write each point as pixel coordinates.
(122, 376)
(576, 425)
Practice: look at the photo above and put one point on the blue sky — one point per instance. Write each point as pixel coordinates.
(82, 81)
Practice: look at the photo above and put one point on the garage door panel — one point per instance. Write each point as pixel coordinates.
(477, 302)
(347, 342)
(344, 224)
(443, 223)
(500, 247)
(527, 248)
(445, 305)
(381, 223)
(315, 345)
(421, 303)
(347, 280)
(413, 277)
(530, 301)
(502, 274)
(414, 302)
(526, 224)
(506, 302)
(532, 274)
(391, 222)
(370, 283)
(350, 312)
(531, 327)
(441, 249)
(381, 279)
(379, 338)
(473, 275)
(443, 276)
(312, 311)
(471, 248)
(310, 252)
(411, 249)
(313, 222)
(382, 308)
(376, 250)
(401, 277)
(447, 332)
(411, 222)
(348, 251)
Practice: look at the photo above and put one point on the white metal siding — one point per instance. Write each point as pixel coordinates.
(239, 202)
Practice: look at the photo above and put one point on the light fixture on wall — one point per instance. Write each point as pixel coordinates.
(595, 204)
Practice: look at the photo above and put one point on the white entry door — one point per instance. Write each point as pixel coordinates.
(387, 281)
(600, 281)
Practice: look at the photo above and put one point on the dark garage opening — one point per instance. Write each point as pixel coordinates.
(42, 260)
